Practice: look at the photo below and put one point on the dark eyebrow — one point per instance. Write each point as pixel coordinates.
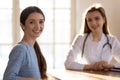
(42, 19)
(39, 19)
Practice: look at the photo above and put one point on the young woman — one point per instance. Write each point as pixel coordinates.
(26, 61)
(94, 49)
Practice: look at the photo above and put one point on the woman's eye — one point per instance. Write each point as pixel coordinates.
(31, 22)
(97, 18)
(89, 20)
(42, 21)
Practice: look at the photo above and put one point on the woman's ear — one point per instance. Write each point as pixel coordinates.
(22, 26)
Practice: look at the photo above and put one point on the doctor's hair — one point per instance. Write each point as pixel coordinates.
(100, 9)
(41, 60)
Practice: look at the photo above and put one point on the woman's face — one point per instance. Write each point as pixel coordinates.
(34, 25)
(95, 21)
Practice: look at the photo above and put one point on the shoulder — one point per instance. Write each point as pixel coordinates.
(113, 38)
(81, 36)
(18, 50)
(19, 47)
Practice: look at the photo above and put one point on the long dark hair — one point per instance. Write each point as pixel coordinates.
(101, 10)
(41, 60)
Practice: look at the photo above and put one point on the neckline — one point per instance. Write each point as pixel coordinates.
(26, 44)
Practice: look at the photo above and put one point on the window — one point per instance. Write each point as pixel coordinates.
(55, 39)
(6, 33)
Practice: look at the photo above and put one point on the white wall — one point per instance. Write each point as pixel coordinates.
(112, 12)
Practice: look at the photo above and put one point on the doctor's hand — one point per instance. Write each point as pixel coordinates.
(102, 65)
(98, 66)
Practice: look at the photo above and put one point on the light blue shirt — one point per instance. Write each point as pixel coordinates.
(22, 63)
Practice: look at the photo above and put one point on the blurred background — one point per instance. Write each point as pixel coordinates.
(63, 22)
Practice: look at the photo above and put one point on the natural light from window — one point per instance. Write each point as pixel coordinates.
(55, 39)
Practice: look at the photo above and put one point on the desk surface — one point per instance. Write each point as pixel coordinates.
(62, 74)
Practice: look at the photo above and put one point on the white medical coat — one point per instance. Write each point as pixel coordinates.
(93, 51)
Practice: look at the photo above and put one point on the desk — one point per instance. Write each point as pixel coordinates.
(62, 74)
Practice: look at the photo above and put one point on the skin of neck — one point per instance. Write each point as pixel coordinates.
(28, 41)
(97, 36)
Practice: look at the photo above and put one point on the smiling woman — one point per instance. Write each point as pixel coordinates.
(57, 23)
(35, 25)
(96, 45)
(26, 61)
(52, 43)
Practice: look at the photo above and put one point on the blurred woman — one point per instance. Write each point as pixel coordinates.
(95, 46)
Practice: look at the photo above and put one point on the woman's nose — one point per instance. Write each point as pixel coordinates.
(37, 26)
